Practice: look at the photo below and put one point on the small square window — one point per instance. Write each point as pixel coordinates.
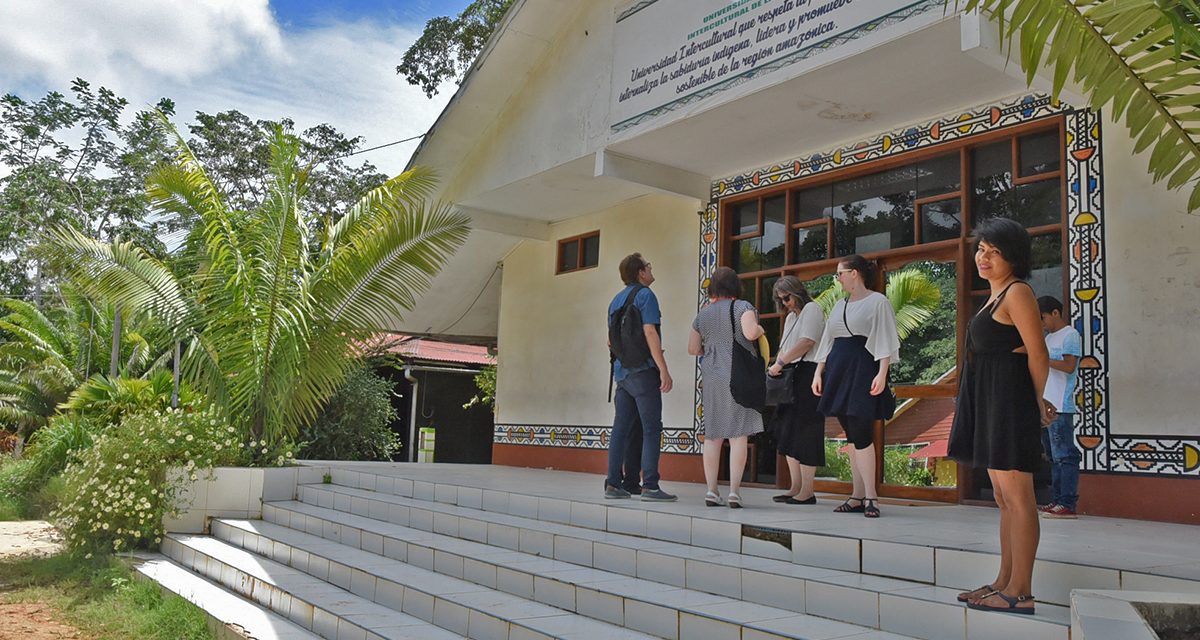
(579, 252)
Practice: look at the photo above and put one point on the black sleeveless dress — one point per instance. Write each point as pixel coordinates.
(997, 421)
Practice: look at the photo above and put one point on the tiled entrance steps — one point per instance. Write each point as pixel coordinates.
(378, 555)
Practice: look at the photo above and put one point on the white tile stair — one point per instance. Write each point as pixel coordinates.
(605, 572)
(230, 617)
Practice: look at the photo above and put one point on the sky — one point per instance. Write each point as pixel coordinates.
(313, 61)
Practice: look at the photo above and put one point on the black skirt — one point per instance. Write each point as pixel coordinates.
(798, 428)
(846, 383)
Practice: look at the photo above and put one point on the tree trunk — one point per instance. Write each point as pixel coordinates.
(175, 377)
(114, 362)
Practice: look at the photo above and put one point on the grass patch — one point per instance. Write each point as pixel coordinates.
(101, 597)
(9, 509)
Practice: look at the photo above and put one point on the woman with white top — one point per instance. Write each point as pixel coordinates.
(859, 344)
(798, 428)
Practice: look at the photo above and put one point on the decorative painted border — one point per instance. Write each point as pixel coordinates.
(849, 35)
(674, 440)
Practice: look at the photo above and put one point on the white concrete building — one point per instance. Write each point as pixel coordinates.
(774, 136)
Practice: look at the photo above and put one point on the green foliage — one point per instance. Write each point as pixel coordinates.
(914, 299)
(72, 161)
(107, 400)
(485, 381)
(24, 482)
(899, 468)
(103, 599)
(270, 311)
(355, 424)
(1140, 58)
(119, 490)
(448, 46)
(930, 351)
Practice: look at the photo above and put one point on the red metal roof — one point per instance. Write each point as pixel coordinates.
(926, 421)
(414, 348)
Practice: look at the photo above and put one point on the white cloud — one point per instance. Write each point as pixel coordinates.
(216, 55)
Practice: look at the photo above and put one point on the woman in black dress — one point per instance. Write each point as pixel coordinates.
(798, 428)
(1000, 408)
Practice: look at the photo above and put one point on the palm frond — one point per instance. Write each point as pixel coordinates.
(407, 190)
(914, 298)
(1139, 57)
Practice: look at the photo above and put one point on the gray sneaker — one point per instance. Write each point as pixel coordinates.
(614, 493)
(657, 495)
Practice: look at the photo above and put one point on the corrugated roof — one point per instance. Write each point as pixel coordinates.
(414, 348)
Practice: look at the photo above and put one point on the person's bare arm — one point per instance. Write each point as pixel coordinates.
(695, 344)
(656, 352)
(1021, 307)
(750, 326)
(1066, 365)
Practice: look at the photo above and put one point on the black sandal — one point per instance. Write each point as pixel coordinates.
(846, 507)
(870, 509)
(1010, 602)
(981, 592)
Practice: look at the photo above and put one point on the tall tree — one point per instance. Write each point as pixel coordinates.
(72, 160)
(271, 311)
(1141, 58)
(448, 46)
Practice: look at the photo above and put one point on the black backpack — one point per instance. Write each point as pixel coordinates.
(626, 335)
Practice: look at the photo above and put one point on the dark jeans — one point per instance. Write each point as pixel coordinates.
(637, 400)
(1059, 441)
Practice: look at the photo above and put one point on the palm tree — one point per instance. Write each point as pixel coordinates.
(43, 357)
(913, 295)
(1142, 57)
(268, 313)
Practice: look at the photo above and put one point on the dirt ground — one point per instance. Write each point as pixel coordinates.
(30, 621)
(29, 538)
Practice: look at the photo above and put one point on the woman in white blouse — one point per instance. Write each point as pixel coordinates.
(798, 428)
(859, 344)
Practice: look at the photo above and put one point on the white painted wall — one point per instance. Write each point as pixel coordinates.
(553, 355)
(1152, 246)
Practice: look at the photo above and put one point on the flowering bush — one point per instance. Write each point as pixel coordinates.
(118, 491)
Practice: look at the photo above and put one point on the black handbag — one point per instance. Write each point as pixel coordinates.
(747, 382)
(781, 389)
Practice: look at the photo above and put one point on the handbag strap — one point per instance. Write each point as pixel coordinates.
(845, 307)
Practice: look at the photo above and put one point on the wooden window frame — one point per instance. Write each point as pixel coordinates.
(959, 249)
(579, 266)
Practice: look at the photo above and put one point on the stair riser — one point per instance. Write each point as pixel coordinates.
(943, 567)
(440, 611)
(322, 622)
(856, 606)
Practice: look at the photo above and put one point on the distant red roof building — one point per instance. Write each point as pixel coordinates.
(429, 350)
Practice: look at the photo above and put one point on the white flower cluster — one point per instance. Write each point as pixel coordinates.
(118, 491)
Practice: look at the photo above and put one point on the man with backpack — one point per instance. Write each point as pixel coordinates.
(641, 376)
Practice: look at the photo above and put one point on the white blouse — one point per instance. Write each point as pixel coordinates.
(810, 323)
(872, 317)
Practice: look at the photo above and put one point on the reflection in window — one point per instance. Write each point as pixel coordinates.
(774, 236)
(1047, 264)
(814, 204)
(591, 251)
(766, 297)
(937, 176)
(811, 243)
(1039, 153)
(941, 220)
(746, 255)
(874, 212)
(749, 289)
(1032, 204)
(745, 218)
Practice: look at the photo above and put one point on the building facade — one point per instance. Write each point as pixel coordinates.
(774, 136)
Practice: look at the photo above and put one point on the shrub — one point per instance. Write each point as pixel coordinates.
(355, 424)
(22, 482)
(118, 491)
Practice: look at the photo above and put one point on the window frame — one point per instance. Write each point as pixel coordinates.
(579, 240)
